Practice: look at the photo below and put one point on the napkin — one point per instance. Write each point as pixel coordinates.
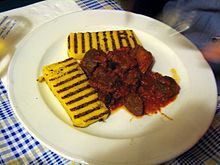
(17, 23)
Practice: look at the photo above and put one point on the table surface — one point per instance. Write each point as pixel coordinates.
(17, 146)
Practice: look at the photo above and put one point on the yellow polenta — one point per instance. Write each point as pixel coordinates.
(70, 85)
(79, 43)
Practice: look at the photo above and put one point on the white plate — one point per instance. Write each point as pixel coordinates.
(122, 139)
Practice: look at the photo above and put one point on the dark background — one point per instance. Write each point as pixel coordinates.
(146, 7)
(11, 4)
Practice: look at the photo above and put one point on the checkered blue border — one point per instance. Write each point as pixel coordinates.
(98, 4)
(207, 149)
(5, 109)
(19, 147)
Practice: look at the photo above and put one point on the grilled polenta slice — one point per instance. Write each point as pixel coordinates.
(79, 43)
(70, 85)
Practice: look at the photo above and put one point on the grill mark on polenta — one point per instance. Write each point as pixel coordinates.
(134, 38)
(83, 42)
(127, 39)
(122, 36)
(80, 98)
(90, 40)
(84, 105)
(71, 71)
(97, 116)
(98, 42)
(65, 61)
(119, 39)
(77, 91)
(69, 79)
(72, 85)
(75, 42)
(113, 41)
(86, 112)
(71, 64)
(69, 42)
(105, 41)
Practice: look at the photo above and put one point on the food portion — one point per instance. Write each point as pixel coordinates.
(124, 77)
(70, 85)
(106, 70)
(79, 43)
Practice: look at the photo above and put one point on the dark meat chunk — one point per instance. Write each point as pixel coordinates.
(144, 58)
(124, 77)
(120, 51)
(91, 60)
(111, 65)
(106, 98)
(103, 79)
(166, 88)
(121, 91)
(122, 59)
(157, 91)
(134, 104)
(132, 77)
